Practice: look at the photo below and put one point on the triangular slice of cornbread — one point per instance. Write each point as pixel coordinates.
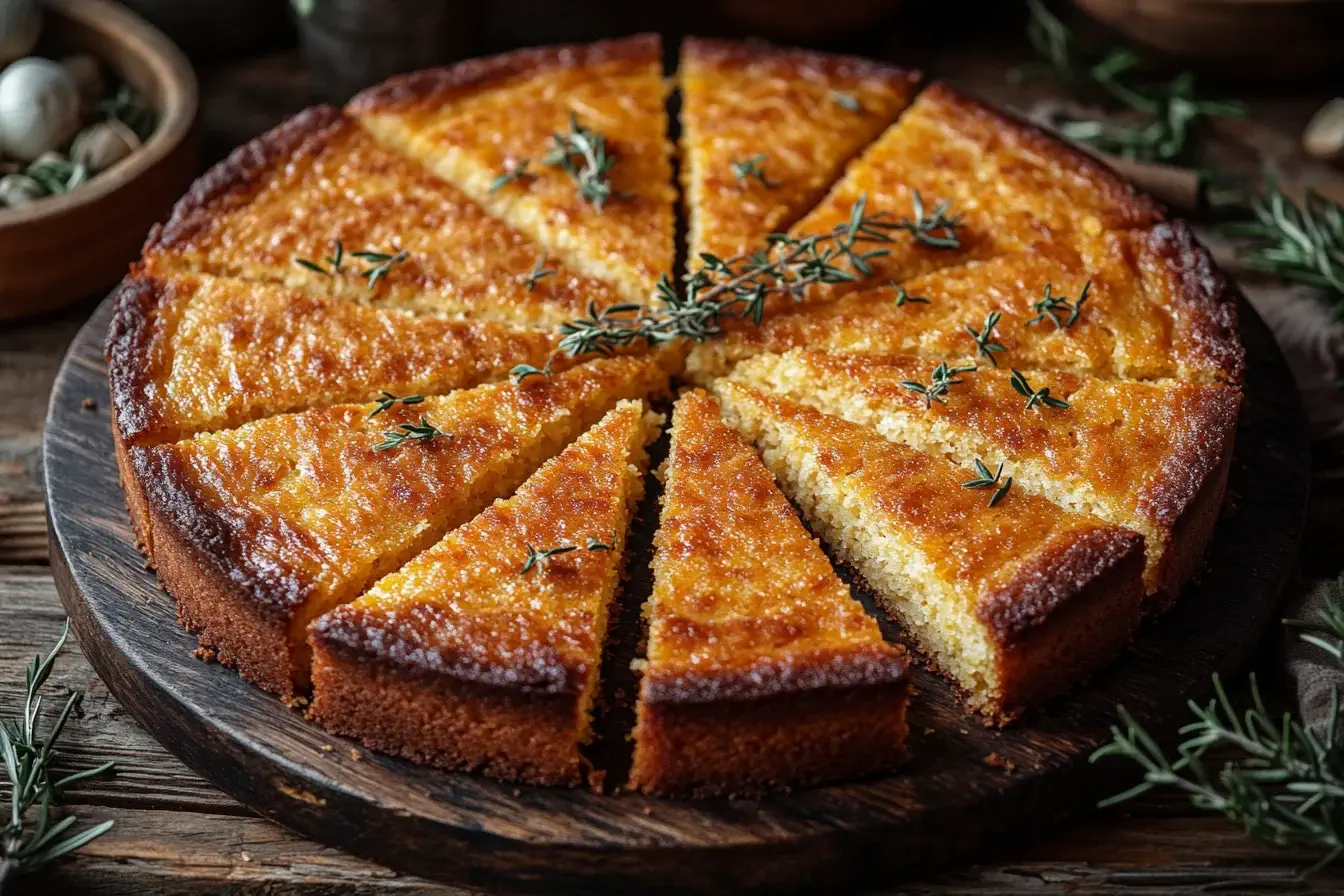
(1152, 457)
(483, 653)
(1008, 183)
(191, 352)
(807, 114)
(762, 670)
(1155, 307)
(1014, 602)
(260, 529)
(605, 202)
(320, 180)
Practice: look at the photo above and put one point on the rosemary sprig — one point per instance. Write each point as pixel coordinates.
(531, 277)
(409, 432)
(994, 480)
(517, 171)
(582, 154)
(1034, 396)
(380, 263)
(902, 297)
(1285, 785)
(941, 382)
(984, 337)
(388, 400)
(521, 372)
(935, 228)
(594, 544)
(753, 167)
(1298, 243)
(737, 287)
(846, 100)
(1052, 306)
(28, 758)
(536, 557)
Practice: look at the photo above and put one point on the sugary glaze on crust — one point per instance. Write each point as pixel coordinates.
(296, 514)
(471, 122)
(746, 607)
(464, 612)
(1156, 308)
(1013, 185)
(807, 113)
(321, 178)
(1135, 454)
(189, 353)
(1014, 567)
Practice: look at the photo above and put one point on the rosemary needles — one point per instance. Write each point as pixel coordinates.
(28, 758)
(1298, 243)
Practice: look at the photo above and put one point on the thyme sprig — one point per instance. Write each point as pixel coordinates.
(582, 154)
(409, 432)
(516, 171)
(846, 100)
(335, 260)
(737, 287)
(984, 337)
(380, 263)
(903, 297)
(531, 278)
(934, 228)
(1052, 306)
(941, 381)
(388, 400)
(994, 480)
(752, 167)
(1284, 784)
(29, 757)
(536, 557)
(1298, 243)
(1034, 396)
(521, 372)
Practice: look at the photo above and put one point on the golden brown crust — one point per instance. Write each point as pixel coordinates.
(1191, 533)
(794, 63)
(488, 72)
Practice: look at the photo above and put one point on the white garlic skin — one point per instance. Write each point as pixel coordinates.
(20, 25)
(100, 146)
(39, 107)
(19, 189)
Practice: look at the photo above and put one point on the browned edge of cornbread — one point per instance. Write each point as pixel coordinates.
(1204, 301)
(136, 351)
(792, 61)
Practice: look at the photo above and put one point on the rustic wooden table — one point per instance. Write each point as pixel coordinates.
(175, 833)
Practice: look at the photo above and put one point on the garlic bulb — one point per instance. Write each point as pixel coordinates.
(100, 146)
(20, 23)
(19, 189)
(87, 74)
(39, 107)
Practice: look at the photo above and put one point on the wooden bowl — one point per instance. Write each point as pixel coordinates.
(1277, 40)
(64, 248)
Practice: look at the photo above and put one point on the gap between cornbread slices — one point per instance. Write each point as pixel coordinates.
(320, 178)
(189, 353)
(761, 670)
(471, 658)
(794, 117)
(1152, 457)
(1155, 307)
(1011, 184)
(1014, 602)
(475, 122)
(257, 531)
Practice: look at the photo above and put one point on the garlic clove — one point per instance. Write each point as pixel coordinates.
(39, 107)
(20, 25)
(1324, 136)
(87, 74)
(19, 189)
(100, 146)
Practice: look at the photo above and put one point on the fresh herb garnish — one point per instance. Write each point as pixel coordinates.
(28, 757)
(984, 338)
(516, 172)
(990, 480)
(521, 372)
(941, 382)
(736, 287)
(408, 432)
(594, 544)
(753, 167)
(388, 400)
(902, 297)
(1034, 396)
(936, 228)
(582, 154)
(335, 259)
(536, 557)
(1052, 306)
(1298, 243)
(531, 277)
(379, 263)
(845, 100)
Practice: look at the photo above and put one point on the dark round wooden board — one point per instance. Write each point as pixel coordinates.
(949, 802)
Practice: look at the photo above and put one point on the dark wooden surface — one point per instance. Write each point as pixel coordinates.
(176, 833)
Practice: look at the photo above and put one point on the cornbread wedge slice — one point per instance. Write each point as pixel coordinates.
(1014, 602)
(475, 123)
(191, 352)
(791, 116)
(477, 655)
(320, 180)
(1156, 307)
(762, 671)
(259, 530)
(1011, 184)
(1152, 457)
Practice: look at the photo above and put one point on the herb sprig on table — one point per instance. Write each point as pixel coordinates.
(28, 843)
(1298, 243)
